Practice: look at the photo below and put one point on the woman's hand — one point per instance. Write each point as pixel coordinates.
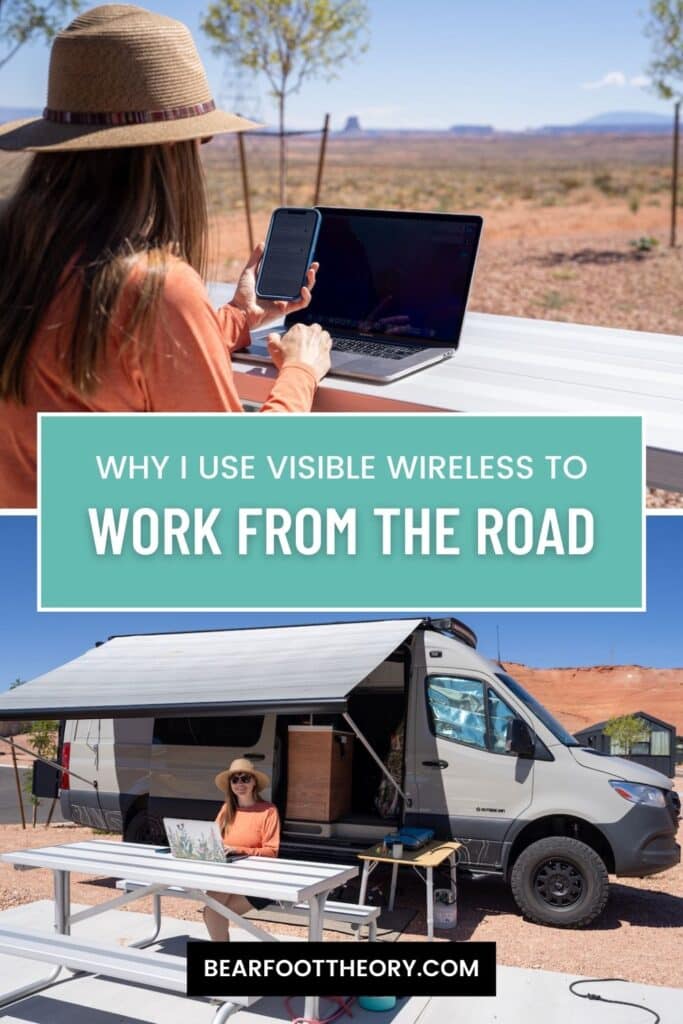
(262, 311)
(302, 344)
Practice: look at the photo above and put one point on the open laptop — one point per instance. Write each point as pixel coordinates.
(392, 290)
(196, 840)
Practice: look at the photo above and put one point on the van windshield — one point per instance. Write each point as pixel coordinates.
(558, 731)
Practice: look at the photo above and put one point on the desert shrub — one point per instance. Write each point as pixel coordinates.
(646, 243)
(553, 299)
(569, 182)
(604, 183)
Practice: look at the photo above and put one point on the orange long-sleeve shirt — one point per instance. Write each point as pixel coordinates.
(254, 830)
(182, 365)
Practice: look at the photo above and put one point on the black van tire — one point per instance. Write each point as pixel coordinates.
(571, 863)
(141, 828)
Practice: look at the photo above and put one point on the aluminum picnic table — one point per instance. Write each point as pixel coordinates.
(508, 364)
(277, 879)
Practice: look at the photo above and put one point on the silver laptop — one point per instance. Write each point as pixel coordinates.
(392, 290)
(196, 840)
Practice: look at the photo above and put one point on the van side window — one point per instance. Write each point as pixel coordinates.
(457, 709)
(499, 716)
(226, 731)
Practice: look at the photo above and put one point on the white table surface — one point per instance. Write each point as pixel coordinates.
(269, 877)
(508, 364)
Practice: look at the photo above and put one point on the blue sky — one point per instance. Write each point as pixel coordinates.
(439, 62)
(32, 642)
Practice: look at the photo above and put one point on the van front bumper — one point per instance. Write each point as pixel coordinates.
(643, 842)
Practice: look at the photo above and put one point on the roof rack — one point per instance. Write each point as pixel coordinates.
(455, 628)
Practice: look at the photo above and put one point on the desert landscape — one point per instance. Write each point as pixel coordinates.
(576, 226)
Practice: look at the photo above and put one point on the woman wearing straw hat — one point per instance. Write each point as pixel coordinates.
(248, 824)
(103, 247)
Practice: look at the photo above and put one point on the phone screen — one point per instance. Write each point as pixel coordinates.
(288, 252)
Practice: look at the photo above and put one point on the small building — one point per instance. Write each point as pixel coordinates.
(657, 750)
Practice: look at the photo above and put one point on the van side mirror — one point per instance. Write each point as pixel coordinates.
(519, 739)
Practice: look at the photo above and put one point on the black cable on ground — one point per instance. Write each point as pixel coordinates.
(615, 1002)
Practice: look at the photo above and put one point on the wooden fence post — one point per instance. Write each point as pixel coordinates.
(18, 782)
(321, 159)
(245, 189)
(674, 174)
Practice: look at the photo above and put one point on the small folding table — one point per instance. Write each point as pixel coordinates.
(423, 861)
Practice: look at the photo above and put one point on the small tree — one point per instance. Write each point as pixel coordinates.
(288, 41)
(627, 730)
(24, 20)
(43, 737)
(665, 28)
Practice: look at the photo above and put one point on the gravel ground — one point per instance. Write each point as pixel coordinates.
(639, 936)
(657, 498)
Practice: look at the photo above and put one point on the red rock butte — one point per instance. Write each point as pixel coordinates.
(579, 697)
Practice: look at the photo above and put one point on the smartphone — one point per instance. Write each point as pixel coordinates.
(290, 245)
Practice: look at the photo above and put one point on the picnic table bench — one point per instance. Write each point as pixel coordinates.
(156, 871)
(507, 364)
(357, 915)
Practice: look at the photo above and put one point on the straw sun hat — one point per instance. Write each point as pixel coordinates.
(241, 764)
(122, 76)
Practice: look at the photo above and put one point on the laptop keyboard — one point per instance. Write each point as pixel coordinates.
(381, 349)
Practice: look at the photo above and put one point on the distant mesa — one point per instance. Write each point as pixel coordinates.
(624, 122)
(618, 122)
(352, 126)
(17, 113)
(477, 130)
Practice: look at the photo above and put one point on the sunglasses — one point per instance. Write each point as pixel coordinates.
(241, 778)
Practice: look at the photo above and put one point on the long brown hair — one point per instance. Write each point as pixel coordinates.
(91, 214)
(226, 815)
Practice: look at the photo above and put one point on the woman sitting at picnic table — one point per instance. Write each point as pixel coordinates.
(103, 247)
(248, 824)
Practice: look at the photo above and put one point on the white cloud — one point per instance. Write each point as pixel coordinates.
(617, 78)
(640, 81)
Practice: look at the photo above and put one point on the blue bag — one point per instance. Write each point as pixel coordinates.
(412, 838)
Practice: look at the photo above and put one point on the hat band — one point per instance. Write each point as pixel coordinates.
(120, 117)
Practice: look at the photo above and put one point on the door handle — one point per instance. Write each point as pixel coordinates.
(435, 764)
(254, 757)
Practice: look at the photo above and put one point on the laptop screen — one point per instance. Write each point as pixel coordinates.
(402, 276)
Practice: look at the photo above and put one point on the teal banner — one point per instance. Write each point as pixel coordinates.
(340, 512)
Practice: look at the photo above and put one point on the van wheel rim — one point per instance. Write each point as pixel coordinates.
(559, 883)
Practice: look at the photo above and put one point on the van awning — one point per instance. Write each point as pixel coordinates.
(294, 669)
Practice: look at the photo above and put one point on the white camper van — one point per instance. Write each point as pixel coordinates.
(152, 719)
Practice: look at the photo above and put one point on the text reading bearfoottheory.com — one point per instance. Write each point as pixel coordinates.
(338, 968)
